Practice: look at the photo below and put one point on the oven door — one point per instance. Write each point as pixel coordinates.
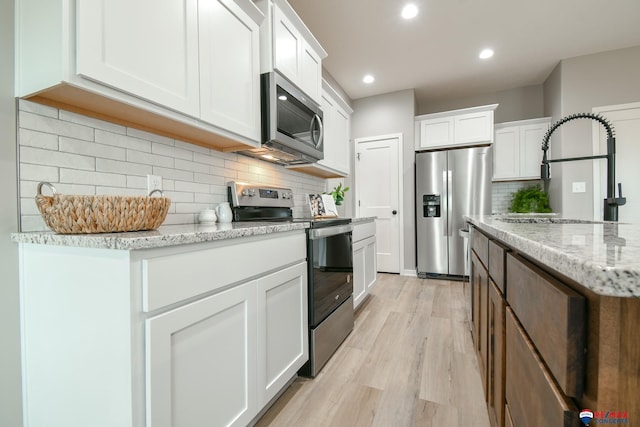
(292, 122)
(330, 270)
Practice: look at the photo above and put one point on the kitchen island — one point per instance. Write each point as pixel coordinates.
(555, 310)
(183, 325)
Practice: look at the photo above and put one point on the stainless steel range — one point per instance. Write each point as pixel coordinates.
(329, 260)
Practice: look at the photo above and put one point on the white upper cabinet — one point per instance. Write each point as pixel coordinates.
(229, 67)
(288, 46)
(187, 69)
(337, 129)
(143, 47)
(517, 151)
(469, 126)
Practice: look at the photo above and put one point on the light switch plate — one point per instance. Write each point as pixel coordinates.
(154, 182)
(579, 187)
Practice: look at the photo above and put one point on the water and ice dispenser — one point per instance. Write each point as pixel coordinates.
(431, 205)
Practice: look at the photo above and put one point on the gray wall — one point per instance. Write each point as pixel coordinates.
(382, 115)
(515, 104)
(10, 379)
(553, 109)
(606, 78)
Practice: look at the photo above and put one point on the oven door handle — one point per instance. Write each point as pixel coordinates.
(320, 233)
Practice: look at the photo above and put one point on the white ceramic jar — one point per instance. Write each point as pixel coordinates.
(223, 210)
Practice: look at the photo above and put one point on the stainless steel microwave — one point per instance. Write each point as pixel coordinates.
(292, 130)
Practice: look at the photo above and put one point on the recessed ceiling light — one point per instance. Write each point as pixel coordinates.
(368, 79)
(409, 11)
(282, 97)
(485, 54)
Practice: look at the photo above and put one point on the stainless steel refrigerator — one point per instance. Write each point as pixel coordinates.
(449, 185)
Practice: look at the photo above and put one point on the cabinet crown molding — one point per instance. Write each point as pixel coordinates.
(490, 107)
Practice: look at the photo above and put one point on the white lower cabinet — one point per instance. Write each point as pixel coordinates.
(364, 261)
(186, 335)
(282, 329)
(201, 361)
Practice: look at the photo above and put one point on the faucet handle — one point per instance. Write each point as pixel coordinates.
(620, 200)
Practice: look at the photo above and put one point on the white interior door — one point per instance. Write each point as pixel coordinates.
(378, 194)
(626, 122)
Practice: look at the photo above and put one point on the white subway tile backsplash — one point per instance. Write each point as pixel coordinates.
(192, 166)
(32, 138)
(209, 179)
(62, 151)
(39, 173)
(149, 159)
(191, 187)
(46, 124)
(123, 141)
(137, 182)
(77, 146)
(93, 178)
(136, 133)
(175, 174)
(170, 151)
(43, 110)
(56, 158)
(106, 165)
(211, 160)
(68, 116)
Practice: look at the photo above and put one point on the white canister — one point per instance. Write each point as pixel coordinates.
(224, 212)
(207, 216)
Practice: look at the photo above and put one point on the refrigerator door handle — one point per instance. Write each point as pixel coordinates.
(449, 202)
(445, 202)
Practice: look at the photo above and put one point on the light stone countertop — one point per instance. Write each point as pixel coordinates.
(363, 219)
(602, 256)
(167, 235)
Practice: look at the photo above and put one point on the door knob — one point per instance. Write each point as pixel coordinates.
(394, 212)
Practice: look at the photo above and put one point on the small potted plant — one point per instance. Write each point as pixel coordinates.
(338, 193)
(529, 200)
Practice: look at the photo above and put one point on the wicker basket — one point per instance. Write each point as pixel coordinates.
(68, 214)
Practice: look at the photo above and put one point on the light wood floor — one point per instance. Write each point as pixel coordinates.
(408, 362)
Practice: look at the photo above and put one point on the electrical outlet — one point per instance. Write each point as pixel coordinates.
(579, 187)
(154, 182)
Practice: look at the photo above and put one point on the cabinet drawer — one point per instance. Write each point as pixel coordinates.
(364, 230)
(480, 245)
(554, 316)
(171, 278)
(497, 254)
(532, 396)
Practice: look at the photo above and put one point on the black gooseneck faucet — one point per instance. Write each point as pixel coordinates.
(612, 202)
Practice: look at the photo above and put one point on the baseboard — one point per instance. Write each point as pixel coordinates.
(411, 273)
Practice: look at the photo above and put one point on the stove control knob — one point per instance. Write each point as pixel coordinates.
(248, 192)
(286, 195)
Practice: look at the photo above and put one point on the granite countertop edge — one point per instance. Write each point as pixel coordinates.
(164, 236)
(363, 219)
(615, 281)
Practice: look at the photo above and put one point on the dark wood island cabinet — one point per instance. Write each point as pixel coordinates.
(548, 346)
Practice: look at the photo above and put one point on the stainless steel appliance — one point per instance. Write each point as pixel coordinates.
(449, 185)
(329, 261)
(292, 131)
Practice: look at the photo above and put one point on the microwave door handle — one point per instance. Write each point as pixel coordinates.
(316, 118)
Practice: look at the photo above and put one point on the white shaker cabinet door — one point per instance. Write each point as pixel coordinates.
(531, 149)
(287, 46)
(310, 72)
(201, 362)
(359, 273)
(436, 133)
(144, 47)
(506, 153)
(371, 268)
(229, 68)
(283, 344)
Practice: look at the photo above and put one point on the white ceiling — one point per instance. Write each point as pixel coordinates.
(436, 53)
